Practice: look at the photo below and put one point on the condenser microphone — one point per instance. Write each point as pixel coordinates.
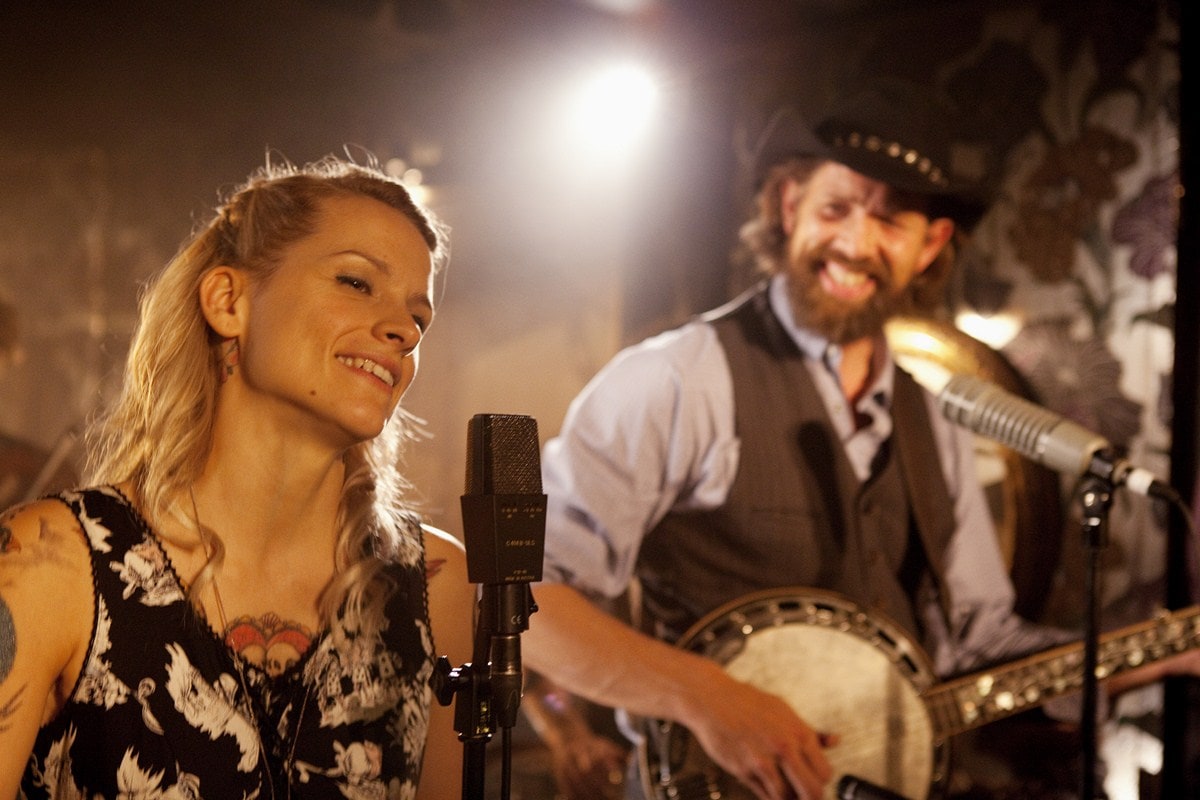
(853, 788)
(503, 508)
(1041, 435)
(504, 530)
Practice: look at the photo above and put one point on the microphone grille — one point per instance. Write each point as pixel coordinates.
(502, 455)
(987, 409)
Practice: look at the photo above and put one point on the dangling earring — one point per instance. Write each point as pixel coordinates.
(231, 356)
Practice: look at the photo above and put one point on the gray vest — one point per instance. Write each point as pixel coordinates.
(796, 514)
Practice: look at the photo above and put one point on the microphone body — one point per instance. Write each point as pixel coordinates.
(504, 510)
(854, 788)
(504, 530)
(1041, 435)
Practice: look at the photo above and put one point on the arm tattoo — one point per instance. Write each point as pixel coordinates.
(45, 548)
(7, 543)
(9, 709)
(8, 640)
(433, 567)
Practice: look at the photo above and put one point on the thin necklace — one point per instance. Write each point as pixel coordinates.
(237, 665)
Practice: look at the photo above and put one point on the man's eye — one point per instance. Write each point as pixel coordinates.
(355, 283)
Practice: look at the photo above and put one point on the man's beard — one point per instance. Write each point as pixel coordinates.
(837, 320)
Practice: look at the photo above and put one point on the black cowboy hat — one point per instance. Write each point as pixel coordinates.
(895, 132)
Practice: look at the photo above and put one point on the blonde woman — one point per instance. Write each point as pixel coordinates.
(243, 605)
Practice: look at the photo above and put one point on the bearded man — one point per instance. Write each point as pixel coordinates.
(774, 442)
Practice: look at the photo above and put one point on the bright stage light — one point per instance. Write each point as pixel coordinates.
(612, 109)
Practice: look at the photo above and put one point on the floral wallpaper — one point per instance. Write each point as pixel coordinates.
(1080, 103)
(1079, 246)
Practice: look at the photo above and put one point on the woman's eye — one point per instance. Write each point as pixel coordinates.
(355, 283)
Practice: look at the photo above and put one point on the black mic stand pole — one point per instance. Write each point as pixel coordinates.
(487, 691)
(467, 688)
(1096, 498)
(507, 608)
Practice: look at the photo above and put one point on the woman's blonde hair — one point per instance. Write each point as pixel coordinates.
(157, 434)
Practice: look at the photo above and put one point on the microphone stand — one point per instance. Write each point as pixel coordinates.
(489, 696)
(1096, 498)
(504, 529)
(467, 687)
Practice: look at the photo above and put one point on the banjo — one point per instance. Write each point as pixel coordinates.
(805, 645)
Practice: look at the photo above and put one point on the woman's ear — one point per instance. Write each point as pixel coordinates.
(222, 295)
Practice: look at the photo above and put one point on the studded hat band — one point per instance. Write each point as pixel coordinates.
(894, 150)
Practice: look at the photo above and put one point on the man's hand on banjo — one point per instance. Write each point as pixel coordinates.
(759, 739)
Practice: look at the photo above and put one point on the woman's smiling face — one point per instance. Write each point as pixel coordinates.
(332, 333)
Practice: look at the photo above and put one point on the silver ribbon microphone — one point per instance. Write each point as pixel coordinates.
(1041, 435)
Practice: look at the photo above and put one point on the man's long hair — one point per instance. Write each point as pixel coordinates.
(158, 433)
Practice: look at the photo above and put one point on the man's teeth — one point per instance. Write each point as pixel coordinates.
(844, 276)
(367, 365)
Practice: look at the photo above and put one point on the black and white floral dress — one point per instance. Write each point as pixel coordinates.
(160, 710)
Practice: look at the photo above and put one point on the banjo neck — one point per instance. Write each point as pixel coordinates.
(967, 702)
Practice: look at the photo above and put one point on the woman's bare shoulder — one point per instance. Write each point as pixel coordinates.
(45, 617)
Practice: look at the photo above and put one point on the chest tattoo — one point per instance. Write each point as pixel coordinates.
(269, 642)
